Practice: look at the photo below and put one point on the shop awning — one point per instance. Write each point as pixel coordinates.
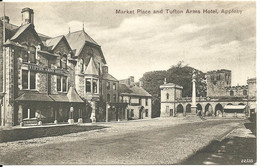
(34, 97)
(60, 98)
(234, 107)
(73, 96)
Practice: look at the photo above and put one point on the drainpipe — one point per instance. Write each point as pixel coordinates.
(4, 72)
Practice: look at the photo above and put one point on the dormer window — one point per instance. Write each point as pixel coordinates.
(64, 61)
(32, 55)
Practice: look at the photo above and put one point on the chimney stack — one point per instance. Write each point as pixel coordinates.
(27, 16)
(105, 69)
(5, 18)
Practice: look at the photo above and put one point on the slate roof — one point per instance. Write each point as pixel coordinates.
(109, 77)
(19, 31)
(77, 40)
(91, 68)
(73, 96)
(29, 96)
(53, 42)
(133, 90)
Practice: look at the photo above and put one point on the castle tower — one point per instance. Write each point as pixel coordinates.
(217, 81)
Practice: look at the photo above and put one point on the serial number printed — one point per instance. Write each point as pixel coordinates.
(247, 160)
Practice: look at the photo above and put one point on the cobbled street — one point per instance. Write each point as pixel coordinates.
(156, 141)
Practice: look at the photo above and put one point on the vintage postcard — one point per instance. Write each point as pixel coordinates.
(128, 83)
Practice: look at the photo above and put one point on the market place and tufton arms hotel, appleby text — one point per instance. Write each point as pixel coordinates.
(179, 11)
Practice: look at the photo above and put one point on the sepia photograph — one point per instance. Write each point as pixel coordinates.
(128, 83)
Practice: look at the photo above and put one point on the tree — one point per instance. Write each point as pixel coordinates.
(178, 74)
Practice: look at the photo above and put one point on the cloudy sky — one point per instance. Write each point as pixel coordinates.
(137, 43)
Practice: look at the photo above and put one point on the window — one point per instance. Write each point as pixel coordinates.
(88, 85)
(108, 97)
(231, 93)
(25, 55)
(114, 86)
(244, 92)
(140, 101)
(32, 80)
(108, 85)
(95, 89)
(114, 97)
(25, 79)
(32, 56)
(64, 84)
(28, 79)
(146, 101)
(64, 61)
(59, 83)
(81, 64)
(167, 96)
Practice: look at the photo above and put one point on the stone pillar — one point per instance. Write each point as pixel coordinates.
(55, 116)
(80, 120)
(93, 114)
(107, 106)
(193, 104)
(126, 113)
(29, 113)
(71, 120)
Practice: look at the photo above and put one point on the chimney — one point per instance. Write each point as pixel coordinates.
(141, 83)
(165, 82)
(5, 18)
(131, 80)
(27, 16)
(105, 69)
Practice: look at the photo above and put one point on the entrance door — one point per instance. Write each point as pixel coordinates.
(171, 112)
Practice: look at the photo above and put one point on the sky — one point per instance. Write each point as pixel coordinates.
(137, 43)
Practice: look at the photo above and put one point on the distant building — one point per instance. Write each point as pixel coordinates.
(139, 101)
(222, 99)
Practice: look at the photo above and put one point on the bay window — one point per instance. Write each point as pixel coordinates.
(95, 86)
(88, 85)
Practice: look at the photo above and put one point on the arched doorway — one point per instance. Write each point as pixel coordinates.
(199, 109)
(188, 108)
(208, 110)
(218, 109)
(180, 109)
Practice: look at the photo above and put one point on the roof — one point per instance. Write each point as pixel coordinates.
(91, 68)
(234, 107)
(60, 98)
(53, 41)
(107, 76)
(77, 40)
(73, 96)
(29, 96)
(20, 31)
(171, 85)
(132, 90)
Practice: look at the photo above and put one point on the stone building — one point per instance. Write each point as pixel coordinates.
(139, 101)
(222, 98)
(45, 79)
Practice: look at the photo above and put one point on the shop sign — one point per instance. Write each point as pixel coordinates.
(45, 69)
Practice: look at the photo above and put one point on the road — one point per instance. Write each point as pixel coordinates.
(162, 142)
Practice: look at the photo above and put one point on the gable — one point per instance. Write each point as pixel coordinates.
(62, 46)
(27, 34)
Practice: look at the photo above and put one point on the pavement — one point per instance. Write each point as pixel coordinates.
(236, 148)
(154, 141)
